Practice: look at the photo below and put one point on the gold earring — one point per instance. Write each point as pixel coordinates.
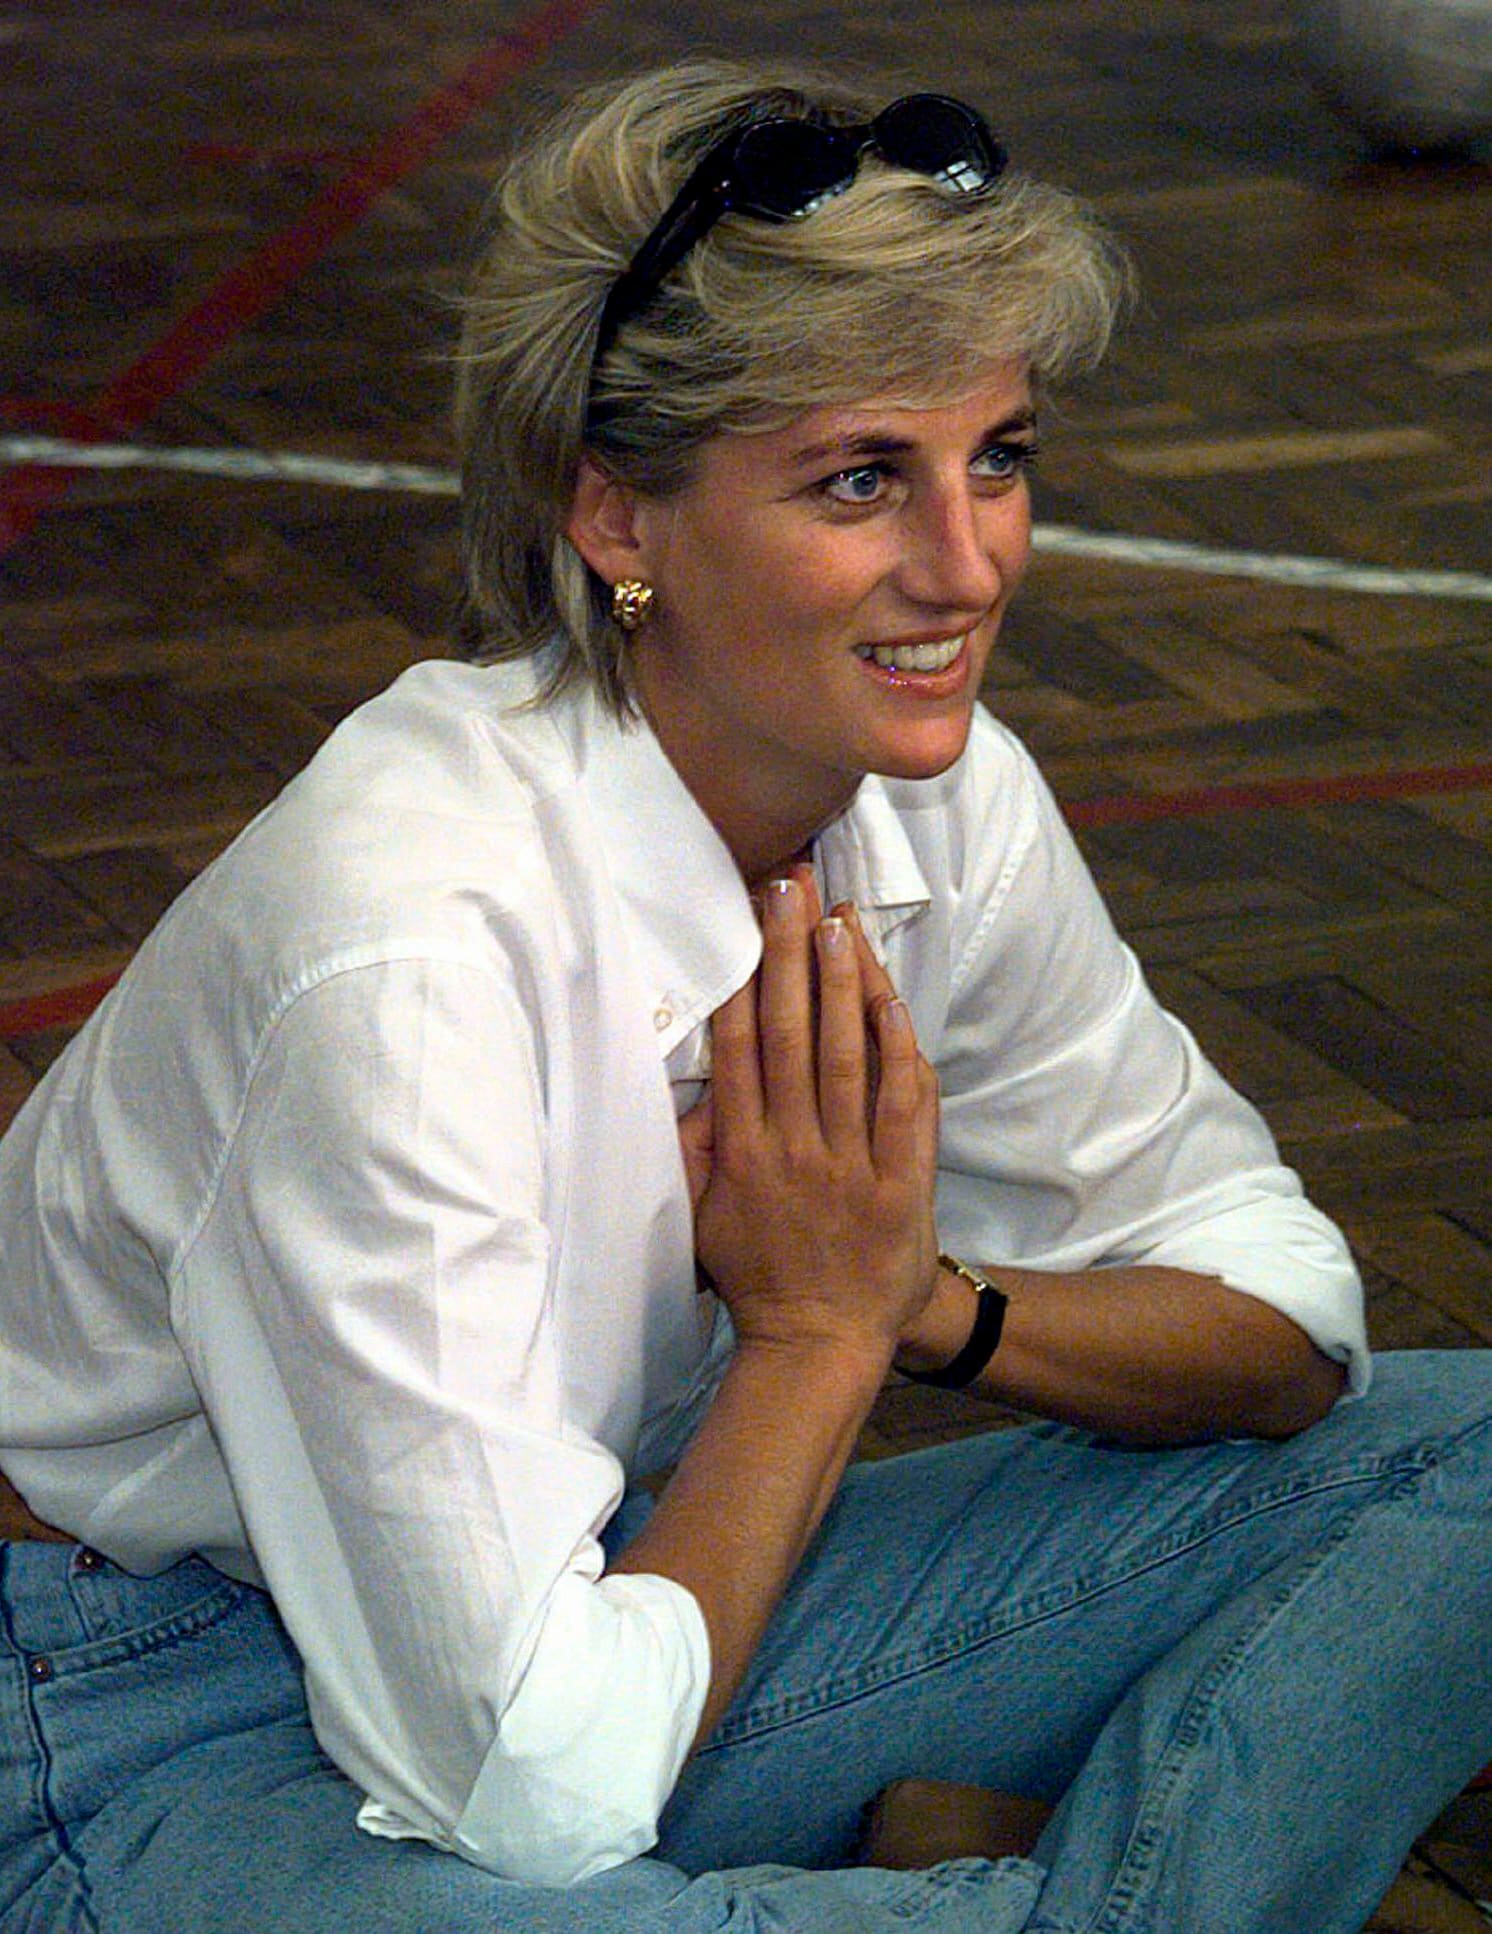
(631, 600)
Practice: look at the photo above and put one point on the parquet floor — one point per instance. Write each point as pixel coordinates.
(1311, 373)
(236, 227)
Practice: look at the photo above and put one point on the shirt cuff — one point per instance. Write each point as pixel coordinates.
(595, 1736)
(1281, 1249)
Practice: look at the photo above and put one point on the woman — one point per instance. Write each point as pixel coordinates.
(501, 1123)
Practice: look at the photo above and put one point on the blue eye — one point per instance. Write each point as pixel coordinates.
(859, 486)
(1005, 462)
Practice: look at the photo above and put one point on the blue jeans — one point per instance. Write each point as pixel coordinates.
(1250, 1673)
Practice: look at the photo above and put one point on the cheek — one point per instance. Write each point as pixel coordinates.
(828, 582)
(1018, 537)
(1008, 545)
(743, 581)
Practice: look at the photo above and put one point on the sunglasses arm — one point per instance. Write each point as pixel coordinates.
(691, 214)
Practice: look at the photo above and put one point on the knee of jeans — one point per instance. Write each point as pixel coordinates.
(956, 1897)
(1455, 1375)
(1432, 1396)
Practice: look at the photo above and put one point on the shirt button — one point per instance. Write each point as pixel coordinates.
(40, 1670)
(662, 1018)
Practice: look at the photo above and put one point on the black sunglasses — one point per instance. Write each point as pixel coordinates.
(780, 170)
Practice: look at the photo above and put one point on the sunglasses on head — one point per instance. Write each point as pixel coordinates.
(780, 170)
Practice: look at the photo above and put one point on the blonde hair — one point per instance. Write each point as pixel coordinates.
(894, 290)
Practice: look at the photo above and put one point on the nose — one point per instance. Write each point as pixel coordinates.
(962, 546)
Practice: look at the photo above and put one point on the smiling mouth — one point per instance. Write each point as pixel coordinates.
(935, 657)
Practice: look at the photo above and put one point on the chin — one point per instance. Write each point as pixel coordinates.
(927, 758)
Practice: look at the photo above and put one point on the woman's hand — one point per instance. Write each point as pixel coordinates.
(812, 1183)
(812, 1164)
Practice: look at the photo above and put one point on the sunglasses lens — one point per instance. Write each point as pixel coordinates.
(782, 170)
(942, 139)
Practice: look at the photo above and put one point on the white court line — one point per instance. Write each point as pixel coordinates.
(1322, 573)
(58, 453)
(1057, 540)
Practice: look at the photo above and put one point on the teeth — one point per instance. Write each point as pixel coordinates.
(913, 658)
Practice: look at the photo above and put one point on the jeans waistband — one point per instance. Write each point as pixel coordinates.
(57, 1598)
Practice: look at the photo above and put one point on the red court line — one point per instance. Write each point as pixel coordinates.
(1137, 808)
(69, 1006)
(66, 1007)
(42, 413)
(246, 291)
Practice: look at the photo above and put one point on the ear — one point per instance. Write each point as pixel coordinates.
(605, 525)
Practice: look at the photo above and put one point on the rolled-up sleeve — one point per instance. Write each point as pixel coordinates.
(1083, 1126)
(573, 1783)
(387, 1385)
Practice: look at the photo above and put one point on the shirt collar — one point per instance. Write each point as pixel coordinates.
(696, 935)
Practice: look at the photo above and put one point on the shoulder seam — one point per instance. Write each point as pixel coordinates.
(351, 961)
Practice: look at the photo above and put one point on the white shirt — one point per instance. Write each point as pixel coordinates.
(349, 1244)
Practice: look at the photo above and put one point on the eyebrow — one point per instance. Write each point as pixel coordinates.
(884, 443)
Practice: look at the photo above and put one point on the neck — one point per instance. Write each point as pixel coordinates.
(764, 843)
(767, 815)
(757, 877)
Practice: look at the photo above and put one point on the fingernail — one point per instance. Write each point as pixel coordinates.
(778, 896)
(898, 1016)
(834, 934)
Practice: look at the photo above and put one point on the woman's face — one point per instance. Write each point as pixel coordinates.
(826, 599)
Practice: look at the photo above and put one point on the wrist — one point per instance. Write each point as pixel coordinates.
(957, 1336)
(852, 1360)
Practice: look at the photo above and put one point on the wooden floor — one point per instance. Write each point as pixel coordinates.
(235, 229)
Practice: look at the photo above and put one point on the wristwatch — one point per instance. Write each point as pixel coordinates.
(984, 1337)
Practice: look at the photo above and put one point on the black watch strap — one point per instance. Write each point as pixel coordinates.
(984, 1337)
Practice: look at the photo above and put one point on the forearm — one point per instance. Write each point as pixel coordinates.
(747, 1496)
(1150, 1355)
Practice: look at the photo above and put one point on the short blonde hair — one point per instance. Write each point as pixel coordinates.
(893, 290)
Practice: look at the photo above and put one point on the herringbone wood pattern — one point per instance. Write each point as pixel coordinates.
(1310, 373)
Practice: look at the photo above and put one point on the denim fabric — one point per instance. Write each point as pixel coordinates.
(1250, 1672)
